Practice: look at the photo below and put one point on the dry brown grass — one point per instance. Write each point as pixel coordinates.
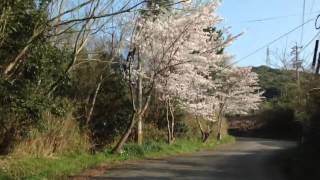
(58, 136)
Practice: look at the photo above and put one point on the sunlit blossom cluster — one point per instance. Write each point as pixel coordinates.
(184, 61)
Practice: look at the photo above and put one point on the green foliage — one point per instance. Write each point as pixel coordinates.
(24, 99)
(302, 162)
(280, 121)
(156, 7)
(112, 109)
(283, 111)
(312, 126)
(133, 150)
(212, 31)
(156, 119)
(21, 20)
(23, 95)
(275, 82)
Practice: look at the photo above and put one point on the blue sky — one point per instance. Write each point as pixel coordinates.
(238, 14)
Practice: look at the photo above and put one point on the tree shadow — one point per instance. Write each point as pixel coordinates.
(233, 164)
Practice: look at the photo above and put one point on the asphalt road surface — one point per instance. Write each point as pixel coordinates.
(247, 159)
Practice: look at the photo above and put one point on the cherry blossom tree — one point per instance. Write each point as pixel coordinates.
(229, 90)
(174, 54)
(175, 41)
(237, 92)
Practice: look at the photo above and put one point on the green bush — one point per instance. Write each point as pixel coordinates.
(279, 121)
(152, 147)
(133, 150)
(24, 90)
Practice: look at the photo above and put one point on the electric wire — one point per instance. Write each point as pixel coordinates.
(266, 45)
(273, 41)
(276, 17)
(308, 44)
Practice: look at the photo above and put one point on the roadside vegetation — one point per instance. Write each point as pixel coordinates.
(290, 112)
(92, 81)
(95, 81)
(301, 163)
(74, 164)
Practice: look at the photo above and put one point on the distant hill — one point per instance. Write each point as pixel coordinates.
(275, 82)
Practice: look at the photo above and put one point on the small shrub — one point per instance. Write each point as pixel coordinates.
(280, 121)
(153, 133)
(152, 147)
(133, 150)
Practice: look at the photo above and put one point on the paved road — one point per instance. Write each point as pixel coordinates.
(248, 159)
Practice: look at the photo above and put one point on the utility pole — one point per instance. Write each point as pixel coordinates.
(297, 62)
(315, 55)
(268, 60)
(316, 58)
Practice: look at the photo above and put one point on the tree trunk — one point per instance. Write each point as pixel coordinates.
(219, 136)
(206, 136)
(172, 122)
(140, 106)
(140, 131)
(124, 138)
(94, 101)
(9, 70)
(203, 133)
(8, 142)
(168, 123)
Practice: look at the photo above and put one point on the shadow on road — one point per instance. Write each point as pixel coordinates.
(248, 159)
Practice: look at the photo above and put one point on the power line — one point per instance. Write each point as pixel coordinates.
(266, 45)
(276, 17)
(269, 18)
(308, 44)
(273, 41)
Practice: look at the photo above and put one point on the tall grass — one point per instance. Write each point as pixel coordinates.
(58, 135)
